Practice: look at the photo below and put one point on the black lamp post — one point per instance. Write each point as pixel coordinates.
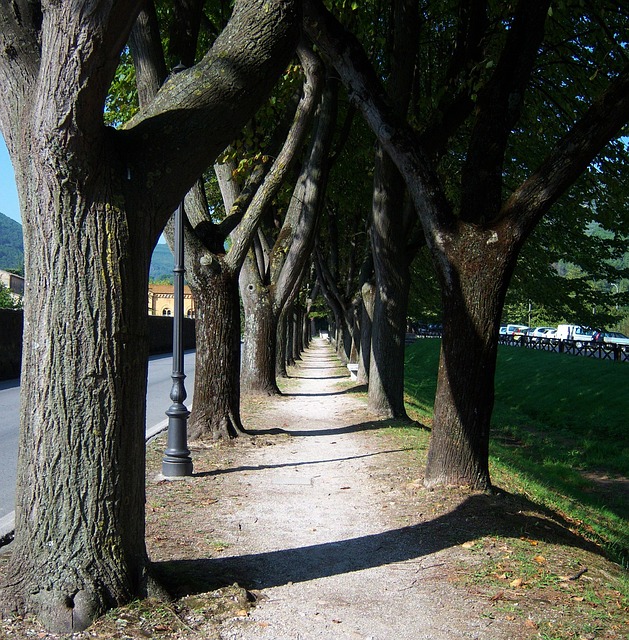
(177, 461)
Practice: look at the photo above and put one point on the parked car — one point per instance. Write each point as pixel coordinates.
(542, 332)
(520, 332)
(575, 332)
(611, 337)
(512, 328)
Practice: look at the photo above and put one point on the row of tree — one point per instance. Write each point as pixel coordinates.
(346, 142)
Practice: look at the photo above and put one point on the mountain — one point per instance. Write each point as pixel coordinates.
(11, 244)
(161, 264)
(12, 251)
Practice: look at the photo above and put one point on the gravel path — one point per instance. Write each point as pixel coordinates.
(310, 528)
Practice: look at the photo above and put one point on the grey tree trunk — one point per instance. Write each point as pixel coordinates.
(386, 370)
(215, 412)
(367, 307)
(280, 360)
(257, 374)
(459, 446)
(79, 546)
(93, 203)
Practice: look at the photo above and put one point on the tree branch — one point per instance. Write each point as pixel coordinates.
(395, 135)
(499, 106)
(241, 238)
(577, 149)
(147, 53)
(20, 54)
(184, 31)
(198, 112)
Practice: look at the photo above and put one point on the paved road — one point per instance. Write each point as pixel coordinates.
(157, 401)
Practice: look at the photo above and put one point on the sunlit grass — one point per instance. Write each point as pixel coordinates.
(559, 434)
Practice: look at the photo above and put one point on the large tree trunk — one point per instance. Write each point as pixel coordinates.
(93, 202)
(386, 371)
(472, 306)
(216, 409)
(79, 546)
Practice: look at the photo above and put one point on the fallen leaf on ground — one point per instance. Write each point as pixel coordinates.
(533, 543)
(516, 583)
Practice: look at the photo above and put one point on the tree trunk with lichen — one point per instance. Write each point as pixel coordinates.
(94, 201)
(473, 298)
(257, 372)
(79, 545)
(215, 411)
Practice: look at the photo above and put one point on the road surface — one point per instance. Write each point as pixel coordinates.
(157, 401)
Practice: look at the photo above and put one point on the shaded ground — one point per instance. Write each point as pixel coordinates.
(318, 527)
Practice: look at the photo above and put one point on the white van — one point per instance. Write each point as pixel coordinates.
(574, 332)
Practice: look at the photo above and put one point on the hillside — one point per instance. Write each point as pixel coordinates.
(11, 244)
(161, 264)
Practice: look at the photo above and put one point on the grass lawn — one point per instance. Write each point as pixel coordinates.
(560, 434)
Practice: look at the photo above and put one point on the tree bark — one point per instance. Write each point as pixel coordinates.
(83, 403)
(459, 446)
(259, 350)
(93, 203)
(391, 266)
(282, 343)
(364, 360)
(215, 412)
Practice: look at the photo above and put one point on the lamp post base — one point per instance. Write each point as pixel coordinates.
(176, 468)
(177, 461)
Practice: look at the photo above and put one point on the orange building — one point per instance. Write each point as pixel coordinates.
(162, 300)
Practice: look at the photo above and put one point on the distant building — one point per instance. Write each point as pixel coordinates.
(14, 283)
(162, 300)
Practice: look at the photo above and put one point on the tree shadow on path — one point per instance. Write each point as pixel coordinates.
(479, 515)
(263, 467)
(371, 425)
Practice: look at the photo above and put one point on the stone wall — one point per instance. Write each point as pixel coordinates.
(160, 336)
(10, 343)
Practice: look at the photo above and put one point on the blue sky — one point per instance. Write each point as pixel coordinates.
(8, 193)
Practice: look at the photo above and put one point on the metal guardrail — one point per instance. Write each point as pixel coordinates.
(601, 350)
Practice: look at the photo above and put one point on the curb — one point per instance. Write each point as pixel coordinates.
(7, 523)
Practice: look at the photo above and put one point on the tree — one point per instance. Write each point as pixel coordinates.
(217, 248)
(6, 299)
(272, 274)
(392, 254)
(475, 227)
(94, 201)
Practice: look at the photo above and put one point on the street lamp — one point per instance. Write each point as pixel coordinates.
(617, 290)
(176, 461)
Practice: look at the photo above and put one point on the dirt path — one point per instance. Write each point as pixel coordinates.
(321, 517)
(311, 524)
